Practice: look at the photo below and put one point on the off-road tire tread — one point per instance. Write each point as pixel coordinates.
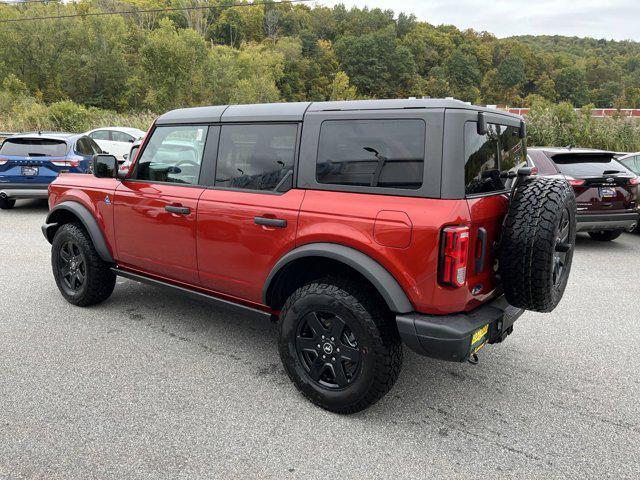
(528, 238)
(375, 318)
(101, 280)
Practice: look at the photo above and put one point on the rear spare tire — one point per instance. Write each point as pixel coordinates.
(537, 243)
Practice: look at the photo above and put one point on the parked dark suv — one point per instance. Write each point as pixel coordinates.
(606, 191)
(356, 225)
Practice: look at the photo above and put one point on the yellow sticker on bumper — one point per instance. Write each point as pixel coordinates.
(479, 335)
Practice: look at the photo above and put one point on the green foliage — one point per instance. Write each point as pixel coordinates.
(560, 125)
(75, 73)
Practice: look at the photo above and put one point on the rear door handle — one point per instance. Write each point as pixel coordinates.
(270, 222)
(178, 209)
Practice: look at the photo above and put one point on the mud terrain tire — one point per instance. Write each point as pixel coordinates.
(366, 330)
(538, 239)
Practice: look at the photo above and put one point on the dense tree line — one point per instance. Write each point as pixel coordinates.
(160, 60)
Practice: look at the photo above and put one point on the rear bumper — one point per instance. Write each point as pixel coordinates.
(606, 221)
(24, 190)
(448, 337)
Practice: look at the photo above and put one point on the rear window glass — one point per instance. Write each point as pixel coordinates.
(372, 153)
(34, 147)
(487, 156)
(578, 166)
(256, 157)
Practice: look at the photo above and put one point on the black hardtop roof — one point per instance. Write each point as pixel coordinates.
(295, 112)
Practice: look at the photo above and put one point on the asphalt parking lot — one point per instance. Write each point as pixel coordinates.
(152, 385)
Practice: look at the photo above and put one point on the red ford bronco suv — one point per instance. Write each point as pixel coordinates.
(356, 225)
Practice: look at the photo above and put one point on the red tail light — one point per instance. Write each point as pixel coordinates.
(634, 181)
(3, 161)
(575, 181)
(454, 256)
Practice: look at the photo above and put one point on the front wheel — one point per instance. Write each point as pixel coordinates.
(82, 276)
(605, 235)
(339, 345)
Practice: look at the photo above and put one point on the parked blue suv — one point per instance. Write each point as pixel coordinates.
(29, 162)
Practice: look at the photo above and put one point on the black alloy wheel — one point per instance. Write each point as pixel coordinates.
(328, 350)
(562, 248)
(82, 276)
(72, 266)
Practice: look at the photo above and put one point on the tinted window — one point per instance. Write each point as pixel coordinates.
(256, 157)
(121, 137)
(173, 154)
(34, 147)
(487, 156)
(100, 135)
(579, 166)
(95, 148)
(372, 153)
(83, 148)
(132, 153)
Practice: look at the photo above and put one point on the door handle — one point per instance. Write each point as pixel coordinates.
(178, 209)
(270, 222)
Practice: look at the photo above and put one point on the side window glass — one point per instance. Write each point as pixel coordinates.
(372, 153)
(100, 135)
(95, 148)
(489, 157)
(173, 155)
(82, 148)
(511, 149)
(256, 157)
(121, 137)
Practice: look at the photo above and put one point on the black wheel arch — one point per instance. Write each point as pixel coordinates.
(71, 211)
(275, 289)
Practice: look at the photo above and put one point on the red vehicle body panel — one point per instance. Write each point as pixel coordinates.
(152, 239)
(219, 249)
(235, 255)
(324, 218)
(91, 193)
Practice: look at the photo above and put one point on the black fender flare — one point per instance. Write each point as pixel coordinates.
(380, 278)
(83, 214)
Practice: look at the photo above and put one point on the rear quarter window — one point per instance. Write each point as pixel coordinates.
(372, 153)
(488, 156)
(34, 147)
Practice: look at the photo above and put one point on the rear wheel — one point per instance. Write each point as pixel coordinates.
(605, 235)
(339, 345)
(7, 203)
(82, 276)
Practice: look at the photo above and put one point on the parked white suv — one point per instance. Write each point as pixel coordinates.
(115, 140)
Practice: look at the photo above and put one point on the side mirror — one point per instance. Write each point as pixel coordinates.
(482, 124)
(104, 165)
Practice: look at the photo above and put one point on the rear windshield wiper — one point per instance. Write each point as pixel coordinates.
(36, 154)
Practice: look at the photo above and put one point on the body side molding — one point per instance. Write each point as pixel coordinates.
(382, 280)
(90, 224)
